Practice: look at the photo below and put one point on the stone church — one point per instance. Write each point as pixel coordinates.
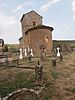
(35, 35)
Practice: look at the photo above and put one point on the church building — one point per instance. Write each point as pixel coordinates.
(35, 35)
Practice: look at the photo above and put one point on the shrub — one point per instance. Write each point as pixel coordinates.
(5, 49)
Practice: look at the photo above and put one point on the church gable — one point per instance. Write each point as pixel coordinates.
(30, 20)
(31, 13)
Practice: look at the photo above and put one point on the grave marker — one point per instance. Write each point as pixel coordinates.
(54, 62)
(43, 54)
(25, 52)
(31, 53)
(58, 52)
(21, 53)
(39, 73)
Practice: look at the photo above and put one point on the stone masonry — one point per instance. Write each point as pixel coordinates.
(35, 34)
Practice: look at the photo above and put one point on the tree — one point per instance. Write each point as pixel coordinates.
(5, 48)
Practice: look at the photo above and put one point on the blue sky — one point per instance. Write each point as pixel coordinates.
(60, 14)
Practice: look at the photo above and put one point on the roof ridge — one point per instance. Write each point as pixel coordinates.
(30, 12)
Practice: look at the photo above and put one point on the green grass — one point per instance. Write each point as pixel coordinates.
(70, 43)
(22, 80)
(48, 91)
(54, 74)
(73, 90)
(47, 98)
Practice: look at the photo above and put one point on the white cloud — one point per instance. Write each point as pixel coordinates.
(6, 21)
(46, 6)
(73, 8)
(9, 28)
(18, 8)
(4, 5)
(22, 6)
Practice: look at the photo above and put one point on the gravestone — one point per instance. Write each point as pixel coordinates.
(54, 52)
(21, 53)
(3, 56)
(1, 45)
(54, 62)
(31, 53)
(17, 57)
(29, 56)
(43, 54)
(61, 57)
(58, 52)
(39, 74)
(25, 52)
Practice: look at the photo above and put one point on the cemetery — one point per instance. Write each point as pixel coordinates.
(34, 78)
(39, 69)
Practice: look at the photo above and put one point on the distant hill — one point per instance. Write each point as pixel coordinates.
(13, 45)
(69, 43)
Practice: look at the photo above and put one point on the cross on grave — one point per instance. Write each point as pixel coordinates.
(43, 54)
(25, 52)
(21, 54)
(31, 52)
(58, 51)
(39, 73)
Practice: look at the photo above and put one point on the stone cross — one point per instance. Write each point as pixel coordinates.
(43, 54)
(31, 52)
(21, 54)
(1, 45)
(25, 52)
(28, 49)
(58, 52)
(39, 73)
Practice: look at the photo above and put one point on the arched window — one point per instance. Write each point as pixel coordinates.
(46, 39)
(34, 23)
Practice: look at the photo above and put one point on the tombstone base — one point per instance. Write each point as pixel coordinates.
(54, 62)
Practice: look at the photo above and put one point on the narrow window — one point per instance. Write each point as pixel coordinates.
(34, 23)
(46, 39)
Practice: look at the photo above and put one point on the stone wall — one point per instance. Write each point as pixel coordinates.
(28, 19)
(36, 38)
(34, 34)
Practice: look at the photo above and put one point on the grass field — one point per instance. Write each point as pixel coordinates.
(60, 82)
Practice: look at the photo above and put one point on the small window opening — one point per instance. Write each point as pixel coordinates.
(47, 39)
(34, 23)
